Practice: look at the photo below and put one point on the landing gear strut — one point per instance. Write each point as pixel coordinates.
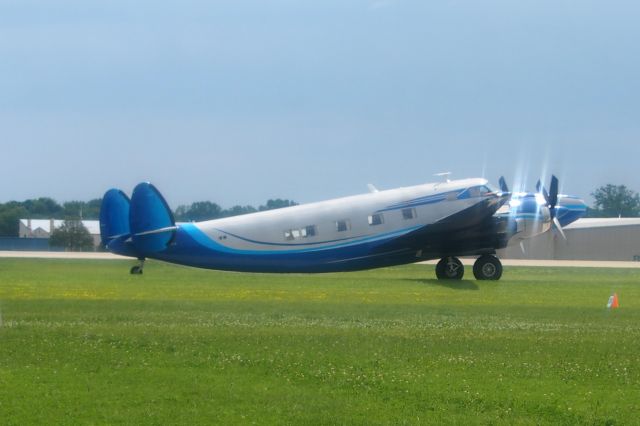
(487, 267)
(449, 268)
(137, 269)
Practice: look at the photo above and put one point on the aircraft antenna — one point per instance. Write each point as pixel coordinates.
(445, 175)
(372, 188)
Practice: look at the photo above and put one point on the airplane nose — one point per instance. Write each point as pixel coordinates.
(497, 200)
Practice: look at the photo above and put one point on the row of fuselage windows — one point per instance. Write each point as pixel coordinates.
(343, 225)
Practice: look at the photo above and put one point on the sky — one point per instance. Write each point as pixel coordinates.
(240, 101)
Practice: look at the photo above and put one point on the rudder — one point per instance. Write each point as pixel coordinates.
(114, 216)
(151, 220)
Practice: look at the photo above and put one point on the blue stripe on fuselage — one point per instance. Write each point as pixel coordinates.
(204, 240)
(193, 247)
(460, 194)
(415, 203)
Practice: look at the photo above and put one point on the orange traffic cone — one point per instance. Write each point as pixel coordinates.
(613, 301)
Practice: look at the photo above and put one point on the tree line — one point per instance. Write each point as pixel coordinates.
(44, 208)
(206, 210)
(614, 201)
(47, 208)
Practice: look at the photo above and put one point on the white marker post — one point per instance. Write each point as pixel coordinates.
(613, 301)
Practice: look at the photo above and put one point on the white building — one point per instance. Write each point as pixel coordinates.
(42, 228)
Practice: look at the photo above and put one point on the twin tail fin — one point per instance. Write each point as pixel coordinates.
(139, 226)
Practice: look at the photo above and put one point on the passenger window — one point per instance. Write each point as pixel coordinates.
(343, 225)
(408, 214)
(294, 234)
(376, 219)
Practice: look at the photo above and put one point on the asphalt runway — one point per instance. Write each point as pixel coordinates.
(465, 261)
(59, 255)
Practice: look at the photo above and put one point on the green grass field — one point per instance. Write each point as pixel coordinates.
(84, 342)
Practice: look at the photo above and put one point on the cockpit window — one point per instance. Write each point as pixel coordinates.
(484, 190)
(480, 191)
(474, 192)
(493, 188)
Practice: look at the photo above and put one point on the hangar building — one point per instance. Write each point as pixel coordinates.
(41, 228)
(587, 239)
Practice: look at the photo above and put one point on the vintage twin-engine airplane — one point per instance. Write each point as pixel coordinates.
(382, 228)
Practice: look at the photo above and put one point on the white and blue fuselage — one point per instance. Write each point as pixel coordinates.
(341, 234)
(380, 228)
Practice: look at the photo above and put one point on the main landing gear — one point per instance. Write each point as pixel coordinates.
(137, 269)
(486, 267)
(449, 268)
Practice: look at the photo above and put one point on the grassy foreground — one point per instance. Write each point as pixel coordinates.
(83, 342)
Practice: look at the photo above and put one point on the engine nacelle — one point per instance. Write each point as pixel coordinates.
(530, 227)
(530, 216)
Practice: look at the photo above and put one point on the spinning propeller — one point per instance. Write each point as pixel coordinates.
(551, 198)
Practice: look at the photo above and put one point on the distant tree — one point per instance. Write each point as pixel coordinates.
(206, 210)
(43, 208)
(73, 209)
(82, 209)
(198, 211)
(92, 211)
(72, 236)
(10, 215)
(238, 210)
(277, 204)
(615, 200)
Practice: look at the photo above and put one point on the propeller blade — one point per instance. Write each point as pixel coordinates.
(542, 190)
(549, 198)
(558, 228)
(503, 184)
(522, 247)
(553, 192)
(545, 194)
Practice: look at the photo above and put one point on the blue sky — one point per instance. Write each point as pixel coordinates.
(240, 101)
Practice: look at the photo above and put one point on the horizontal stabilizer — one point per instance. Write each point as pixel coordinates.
(156, 231)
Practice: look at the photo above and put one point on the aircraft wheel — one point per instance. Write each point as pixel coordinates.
(487, 267)
(136, 270)
(449, 268)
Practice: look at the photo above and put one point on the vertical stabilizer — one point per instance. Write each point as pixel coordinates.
(151, 220)
(114, 216)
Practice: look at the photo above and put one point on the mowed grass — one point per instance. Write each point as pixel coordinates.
(84, 342)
